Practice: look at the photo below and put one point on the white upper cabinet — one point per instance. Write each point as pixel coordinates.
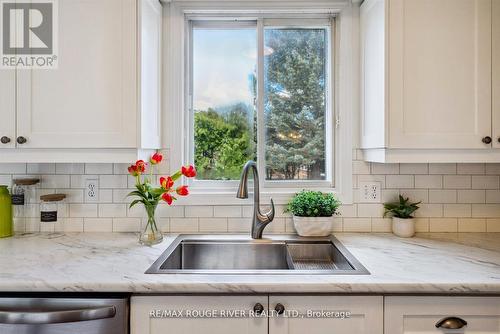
(104, 96)
(90, 100)
(7, 108)
(496, 71)
(427, 80)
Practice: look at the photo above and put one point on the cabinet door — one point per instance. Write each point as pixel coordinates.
(439, 73)
(8, 107)
(189, 321)
(496, 72)
(366, 315)
(90, 100)
(150, 59)
(421, 314)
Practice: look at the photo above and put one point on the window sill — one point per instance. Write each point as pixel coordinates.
(228, 197)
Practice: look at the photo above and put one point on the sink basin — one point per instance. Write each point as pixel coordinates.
(239, 254)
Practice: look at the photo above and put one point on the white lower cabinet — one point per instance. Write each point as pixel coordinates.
(411, 315)
(141, 321)
(366, 315)
(324, 315)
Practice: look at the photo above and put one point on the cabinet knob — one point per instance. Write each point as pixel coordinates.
(21, 140)
(451, 323)
(280, 309)
(5, 140)
(486, 140)
(258, 308)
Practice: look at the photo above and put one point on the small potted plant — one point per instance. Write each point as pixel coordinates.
(312, 212)
(403, 223)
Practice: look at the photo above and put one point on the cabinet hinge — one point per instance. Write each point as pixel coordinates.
(337, 122)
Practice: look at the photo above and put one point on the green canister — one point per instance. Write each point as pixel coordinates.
(6, 229)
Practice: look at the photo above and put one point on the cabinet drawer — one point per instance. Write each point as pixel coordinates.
(421, 314)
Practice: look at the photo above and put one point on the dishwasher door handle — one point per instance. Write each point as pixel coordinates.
(56, 317)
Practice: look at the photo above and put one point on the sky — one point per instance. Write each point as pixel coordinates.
(222, 62)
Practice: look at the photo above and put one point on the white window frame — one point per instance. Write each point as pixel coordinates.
(177, 16)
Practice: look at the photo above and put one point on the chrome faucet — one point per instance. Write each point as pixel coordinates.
(260, 220)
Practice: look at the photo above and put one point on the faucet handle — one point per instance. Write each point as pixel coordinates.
(270, 214)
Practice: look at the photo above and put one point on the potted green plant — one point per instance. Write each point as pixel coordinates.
(312, 212)
(403, 223)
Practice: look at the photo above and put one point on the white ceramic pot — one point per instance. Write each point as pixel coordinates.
(404, 228)
(313, 226)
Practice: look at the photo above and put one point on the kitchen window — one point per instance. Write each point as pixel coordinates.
(261, 90)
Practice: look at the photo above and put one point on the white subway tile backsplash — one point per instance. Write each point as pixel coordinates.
(457, 210)
(357, 224)
(442, 168)
(55, 181)
(457, 181)
(199, 211)
(112, 210)
(443, 225)
(472, 225)
(12, 168)
(455, 197)
(429, 181)
(414, 169)
(98, 225)
(41, 168)
(70, 168)
(442, 196)
(399, 181)
(470, 169)
(113, 181)
(228, 211)
(370, 210)
(98, 168)
(385, 168)
(485, 182)
(213, 225)
(471, 196)
(493, 225)
(83, 210)
(127, 225)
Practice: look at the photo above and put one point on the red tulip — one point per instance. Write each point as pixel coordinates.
(156, 158)
(166, 183)
(182, 191)
(188, 171)
(141, 166)
(167, 198)
(133, 170)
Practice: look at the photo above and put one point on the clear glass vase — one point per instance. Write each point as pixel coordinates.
(151, 234)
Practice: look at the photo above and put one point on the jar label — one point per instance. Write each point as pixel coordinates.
(48, 216)
(18, 199)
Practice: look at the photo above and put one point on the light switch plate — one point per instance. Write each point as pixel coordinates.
(370, 192)
(91, 190)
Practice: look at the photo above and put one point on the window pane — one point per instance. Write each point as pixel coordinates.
(295, 103)
(224, 94)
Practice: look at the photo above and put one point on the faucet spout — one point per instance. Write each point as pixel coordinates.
(260, 219)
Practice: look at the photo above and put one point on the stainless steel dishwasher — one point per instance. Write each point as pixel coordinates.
(63, 315)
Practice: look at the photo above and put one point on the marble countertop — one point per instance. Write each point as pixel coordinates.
(87, 262)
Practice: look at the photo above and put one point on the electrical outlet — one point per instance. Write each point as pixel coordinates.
(91, 190)
(370, 192)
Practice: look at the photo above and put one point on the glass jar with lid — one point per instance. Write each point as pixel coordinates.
(52, 208)
(23, 193)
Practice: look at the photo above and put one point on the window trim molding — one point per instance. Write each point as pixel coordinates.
(175, 86)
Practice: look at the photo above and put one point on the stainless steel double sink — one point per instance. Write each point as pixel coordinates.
(239, 254)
